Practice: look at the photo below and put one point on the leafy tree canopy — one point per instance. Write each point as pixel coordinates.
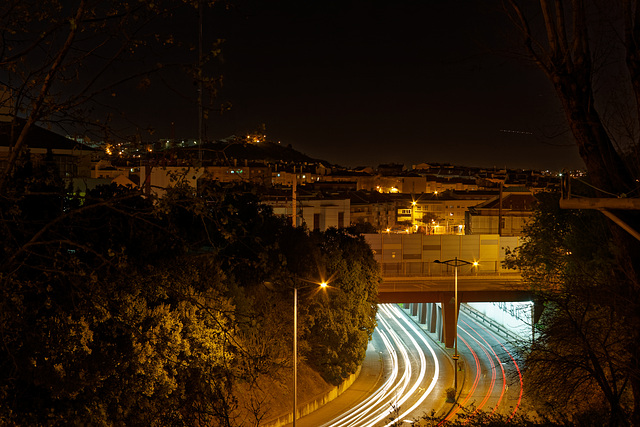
(118, 310)
(579, 359)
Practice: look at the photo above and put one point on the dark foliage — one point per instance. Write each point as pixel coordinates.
(579, 360)
(118, 310)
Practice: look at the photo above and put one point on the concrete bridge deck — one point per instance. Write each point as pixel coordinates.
(471, 288)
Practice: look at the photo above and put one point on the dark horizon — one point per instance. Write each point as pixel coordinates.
(362, 84)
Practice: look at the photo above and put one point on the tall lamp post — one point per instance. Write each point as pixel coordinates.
(295, 351)
(455, 263)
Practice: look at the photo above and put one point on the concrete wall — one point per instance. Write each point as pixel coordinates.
(316, 403)
(414, 254)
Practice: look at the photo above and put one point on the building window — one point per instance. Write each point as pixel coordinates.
(316, 221)
(340, 221)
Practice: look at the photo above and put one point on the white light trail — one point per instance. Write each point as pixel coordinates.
(400, 386)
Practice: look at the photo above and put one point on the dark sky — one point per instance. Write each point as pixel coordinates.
(371, 82)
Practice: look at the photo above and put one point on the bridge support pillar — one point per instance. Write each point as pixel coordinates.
(432, 317)
(449, 319)
(422, 313)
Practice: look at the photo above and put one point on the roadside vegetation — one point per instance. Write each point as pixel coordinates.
(118, 310)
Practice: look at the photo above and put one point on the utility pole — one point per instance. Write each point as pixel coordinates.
(200, 80)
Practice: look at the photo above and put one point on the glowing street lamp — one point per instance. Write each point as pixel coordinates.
(455, 263)
(295, 350)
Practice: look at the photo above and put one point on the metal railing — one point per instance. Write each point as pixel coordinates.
(431, 269)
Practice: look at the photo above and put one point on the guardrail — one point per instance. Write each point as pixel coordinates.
(427, 269)
(472, 312)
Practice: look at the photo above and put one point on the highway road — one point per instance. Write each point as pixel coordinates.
(492, 377)
(411, 373)
(406, 374)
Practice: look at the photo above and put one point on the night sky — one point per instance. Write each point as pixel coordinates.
(368, 82)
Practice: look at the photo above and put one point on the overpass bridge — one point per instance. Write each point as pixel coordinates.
(411, 274)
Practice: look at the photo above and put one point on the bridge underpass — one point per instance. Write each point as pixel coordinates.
(433, 298)
(412, 275)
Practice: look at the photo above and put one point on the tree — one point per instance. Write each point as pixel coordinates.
(344, 321)
(118, 310)
(429, 219)
(67, 64)
(564, 44)
(106, 315)
(578, 362)
(362, 227)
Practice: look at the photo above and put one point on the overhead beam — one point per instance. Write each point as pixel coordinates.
(621, 223)
(605, 206)
(600, 203)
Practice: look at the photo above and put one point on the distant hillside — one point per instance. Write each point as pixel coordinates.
(37, 137)
(222, 151)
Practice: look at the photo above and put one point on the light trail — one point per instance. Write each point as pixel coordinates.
(515, 364)
(492, 366)
(356, 413)
(495, 355)
(420, 334)
(402, 339)
(476, 340)
(480, 342)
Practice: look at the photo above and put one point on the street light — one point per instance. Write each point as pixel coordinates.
(295, 350)
(455, 263)
(413, 212)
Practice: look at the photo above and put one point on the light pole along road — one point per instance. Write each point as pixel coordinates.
(455, 263)
(322, 285)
